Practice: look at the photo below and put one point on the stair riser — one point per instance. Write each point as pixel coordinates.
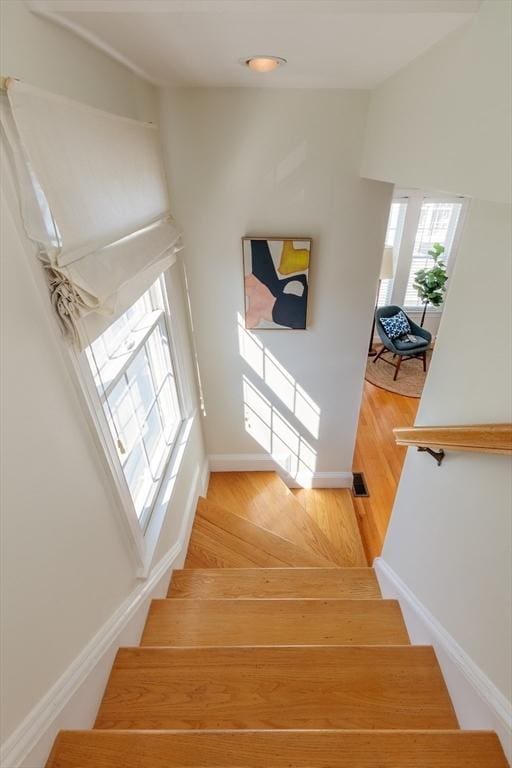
(278, 750)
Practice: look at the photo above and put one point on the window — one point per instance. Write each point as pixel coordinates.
(393, 237)
(417, 221)
(135, 379)
(437, 224)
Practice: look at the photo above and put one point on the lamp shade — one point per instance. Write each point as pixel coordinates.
(387, 267)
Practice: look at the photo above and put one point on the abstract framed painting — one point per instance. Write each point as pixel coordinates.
(276, 282)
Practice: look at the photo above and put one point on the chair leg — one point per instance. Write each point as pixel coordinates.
(397, 367)
(425, 362)
(379, 354)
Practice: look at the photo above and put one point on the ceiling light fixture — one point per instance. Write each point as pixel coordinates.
(264, 63)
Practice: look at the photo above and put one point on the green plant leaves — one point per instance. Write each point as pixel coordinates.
(436, 251)
(431, 283)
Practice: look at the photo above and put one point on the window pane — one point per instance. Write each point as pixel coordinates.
(385, 289)
(158, 354)
(393, 237)
(138, 477)
(137, 387)
(97, 356)
(141, 385)
(115, 334)
(154, 442)
(169, 408)
(120, 405)
(437, 224)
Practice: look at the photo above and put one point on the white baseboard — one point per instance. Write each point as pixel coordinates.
(478, 703)
(73, 700)
(264, 462)
(332, 480)
(242, 462)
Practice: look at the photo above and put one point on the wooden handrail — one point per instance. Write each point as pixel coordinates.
(480, 438)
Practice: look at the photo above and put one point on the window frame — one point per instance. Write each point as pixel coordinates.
(402, 214)
(449, 258)
(142, 540)
(157, 318)
(404, 249)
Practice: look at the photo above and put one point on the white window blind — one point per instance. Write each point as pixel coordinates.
(437, 224)
(99, 207)
(393, 237)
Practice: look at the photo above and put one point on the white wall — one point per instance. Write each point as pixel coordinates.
(450, 533)
(44, 54)
(270, 162)
(66, 562)
(444, 121)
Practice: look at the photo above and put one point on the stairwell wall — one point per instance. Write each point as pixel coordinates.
(283, 163)
(66, 564)
(450, 534)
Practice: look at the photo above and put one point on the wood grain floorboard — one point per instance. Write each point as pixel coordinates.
(262, 537)
(181, 622)
(320, 687)
(212, 547)
(333, 511)
(377, 455)
(264, 499)
(221, 539)
(277, 749)
(357, 583)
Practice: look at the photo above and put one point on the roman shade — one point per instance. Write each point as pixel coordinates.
(93, 196)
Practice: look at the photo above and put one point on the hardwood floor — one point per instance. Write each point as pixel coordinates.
(223, 539)
(380, 459)
(332, 509)
(326, 522)
(320, 521)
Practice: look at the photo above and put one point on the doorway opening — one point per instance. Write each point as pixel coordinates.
(420, 251)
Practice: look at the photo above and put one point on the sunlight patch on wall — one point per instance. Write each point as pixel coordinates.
(267, 425)
(278, 379)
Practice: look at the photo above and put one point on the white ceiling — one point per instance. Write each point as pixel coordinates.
(328, 43)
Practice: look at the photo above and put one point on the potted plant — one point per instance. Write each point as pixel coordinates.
(431, 283)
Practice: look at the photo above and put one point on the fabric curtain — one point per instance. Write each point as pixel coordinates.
(93, 196)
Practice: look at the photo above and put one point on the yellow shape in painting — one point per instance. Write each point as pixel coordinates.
(293, 259)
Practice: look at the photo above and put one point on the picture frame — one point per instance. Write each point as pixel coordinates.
(276, 282)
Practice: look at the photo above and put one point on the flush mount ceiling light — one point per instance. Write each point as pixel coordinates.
(263, 63)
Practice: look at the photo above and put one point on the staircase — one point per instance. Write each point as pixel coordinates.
(275, 649)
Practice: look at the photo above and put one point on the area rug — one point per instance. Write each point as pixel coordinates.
(410, 379)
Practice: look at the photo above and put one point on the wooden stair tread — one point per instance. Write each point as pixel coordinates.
(181, 622)
(257, 535)
(219, 536)
(275, 583)
(333, 510)
(213, 547)
(264, 499)
(270, 653)
(319, 687)
(277, 749)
